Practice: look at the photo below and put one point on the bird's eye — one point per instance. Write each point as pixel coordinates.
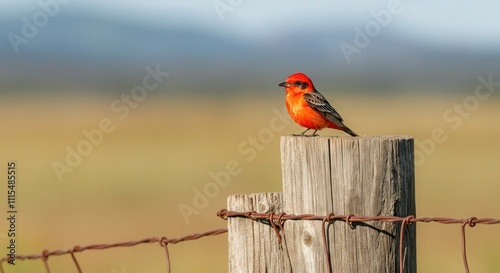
(297, 83)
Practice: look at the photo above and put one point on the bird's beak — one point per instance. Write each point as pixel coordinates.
(284, 84)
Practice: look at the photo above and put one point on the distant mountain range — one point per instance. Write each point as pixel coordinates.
(82, 50)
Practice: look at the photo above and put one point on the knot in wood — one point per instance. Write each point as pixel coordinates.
(263, 208)
(307, 238)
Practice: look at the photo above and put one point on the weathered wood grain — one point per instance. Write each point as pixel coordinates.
(365, 176)
(253, 246)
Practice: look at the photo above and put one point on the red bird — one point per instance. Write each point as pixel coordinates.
(308, 107)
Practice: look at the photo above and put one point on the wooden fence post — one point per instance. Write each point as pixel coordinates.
(363, 176)
(253, 246)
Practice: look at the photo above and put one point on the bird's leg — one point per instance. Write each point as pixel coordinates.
(305, 132)
(302, 134)
(314, 134)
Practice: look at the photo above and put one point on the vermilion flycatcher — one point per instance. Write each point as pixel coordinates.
(308, 107)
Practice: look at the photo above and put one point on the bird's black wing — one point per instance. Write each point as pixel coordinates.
(317, 102)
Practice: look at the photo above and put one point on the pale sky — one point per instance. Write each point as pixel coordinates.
(439, 22)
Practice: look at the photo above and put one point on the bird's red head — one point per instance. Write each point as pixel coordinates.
(298, 83)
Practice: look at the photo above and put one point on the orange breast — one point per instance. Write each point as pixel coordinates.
(304, 115)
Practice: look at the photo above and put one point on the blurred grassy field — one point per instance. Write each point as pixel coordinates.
(130, 186)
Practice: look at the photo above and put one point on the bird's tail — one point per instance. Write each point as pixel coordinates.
(349, 131)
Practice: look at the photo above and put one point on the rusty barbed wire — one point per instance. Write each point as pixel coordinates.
(164, 241)
(276, 220)
(349, 219)
(225, 214)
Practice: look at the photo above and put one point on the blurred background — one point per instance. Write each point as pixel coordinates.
(111, 148)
